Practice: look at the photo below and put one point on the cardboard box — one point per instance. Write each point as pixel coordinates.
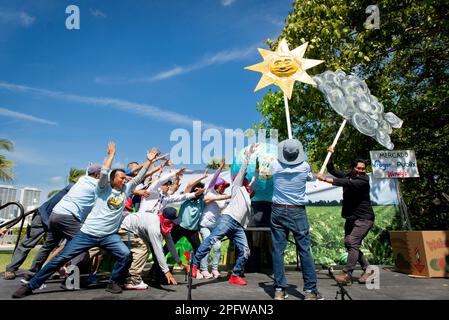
(421, 253)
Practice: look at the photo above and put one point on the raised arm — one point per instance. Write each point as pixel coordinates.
(105, 169)
(330, 166)
(194, 182)
(253, 182)
(158, 182)
(151, 157)
(216, 175)
(176, 184)
(210, 197)
(242, 172)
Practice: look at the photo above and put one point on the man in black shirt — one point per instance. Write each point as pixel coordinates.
(357, 211)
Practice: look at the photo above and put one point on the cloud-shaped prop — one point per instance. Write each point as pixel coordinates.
(350, 97)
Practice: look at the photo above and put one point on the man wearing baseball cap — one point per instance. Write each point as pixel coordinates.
(70, 212)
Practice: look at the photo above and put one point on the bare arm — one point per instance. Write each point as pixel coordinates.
(210, 198)
(158, 182)
(176, 184)
(194, 182)
(216, 175)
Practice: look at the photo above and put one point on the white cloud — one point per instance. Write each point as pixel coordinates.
(56, 179)
(123, 105)
(226, 3)
(14, 17)
(208, 60)
(97, 13)
(23, 116)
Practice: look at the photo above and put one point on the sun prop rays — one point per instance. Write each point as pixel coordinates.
(282, 67)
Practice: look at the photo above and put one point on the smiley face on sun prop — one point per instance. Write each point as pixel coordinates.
(282, 67)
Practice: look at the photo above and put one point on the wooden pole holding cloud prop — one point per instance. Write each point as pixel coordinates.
(282, 67)
(350, 97)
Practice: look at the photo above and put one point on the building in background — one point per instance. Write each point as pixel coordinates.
(8, 194)
(30, 199)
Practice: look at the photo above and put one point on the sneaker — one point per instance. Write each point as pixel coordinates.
(195, 272)
(309, 295)
(133, 286)
(206, 274)
(113, 287)
(22, 292)
(216, 274)
(364, 277)
(9, 275)
(344, 278)
(280, 294)
(237, 280)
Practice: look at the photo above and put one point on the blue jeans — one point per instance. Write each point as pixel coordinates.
(284, 220)
(81, 243)
(205, 232)
(226, 226)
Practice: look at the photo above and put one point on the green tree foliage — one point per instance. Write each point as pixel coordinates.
(215, 164)
(5, 164)
(405, 64)
(75, 174)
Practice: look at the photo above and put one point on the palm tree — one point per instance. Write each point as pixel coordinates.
(75, 174)
(215, 164)
(5, 164)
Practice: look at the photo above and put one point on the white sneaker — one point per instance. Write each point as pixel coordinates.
(132, 286)
(216, 274)
(206, 274)
(199, 275)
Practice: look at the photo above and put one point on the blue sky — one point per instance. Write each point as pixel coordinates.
(132, 73)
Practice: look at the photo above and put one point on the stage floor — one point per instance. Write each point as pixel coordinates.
(392, 286)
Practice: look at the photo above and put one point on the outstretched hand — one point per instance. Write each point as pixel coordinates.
(111, 148)
(163, 157)
(185, 266)
(205, 173)
(223, 163)
(170, 278)
(153, 154)
(180, 171)
(252, 148)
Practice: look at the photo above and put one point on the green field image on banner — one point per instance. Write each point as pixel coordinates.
(183, 247)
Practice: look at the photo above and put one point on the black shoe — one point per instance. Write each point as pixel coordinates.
(22, 292)
(27, 276)
(113, 288)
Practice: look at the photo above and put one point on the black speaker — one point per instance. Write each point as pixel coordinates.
(260, 215)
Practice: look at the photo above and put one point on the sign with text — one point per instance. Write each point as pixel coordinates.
(394, 164)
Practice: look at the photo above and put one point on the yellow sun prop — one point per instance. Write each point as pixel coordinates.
(282, 67)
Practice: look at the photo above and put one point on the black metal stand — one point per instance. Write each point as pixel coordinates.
(189, 276)
(342, 291)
